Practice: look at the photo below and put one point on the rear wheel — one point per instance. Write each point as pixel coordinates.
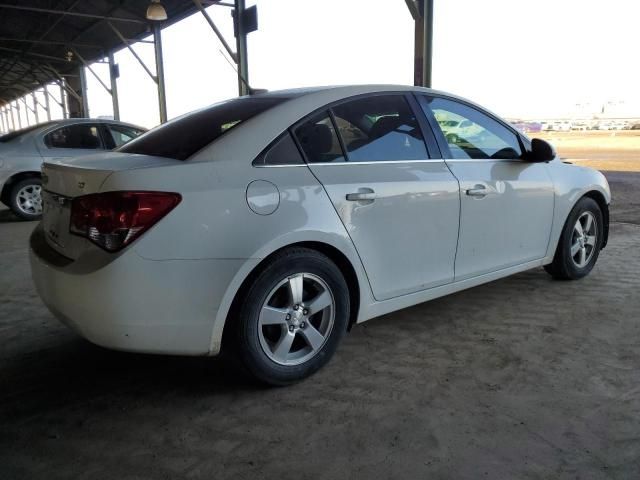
(580, 242)
(292, 317)
(25, 199)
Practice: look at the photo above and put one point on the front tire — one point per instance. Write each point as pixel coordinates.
(25, 198)
(292, 317)
(580, 242)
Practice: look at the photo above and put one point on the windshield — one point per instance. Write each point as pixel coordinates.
(182, 137)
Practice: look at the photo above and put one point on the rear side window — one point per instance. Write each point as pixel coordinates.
(282, 151)
(182, 137)
(380, 128)
(84, 136)
(319, 141)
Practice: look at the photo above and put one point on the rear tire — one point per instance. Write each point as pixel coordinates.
(292, 317)
(580, 242)
(25, 198)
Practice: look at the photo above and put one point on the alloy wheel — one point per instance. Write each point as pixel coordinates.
(584, 239)
(296, 319)
(29, 199)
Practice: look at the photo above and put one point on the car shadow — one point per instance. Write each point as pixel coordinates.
(76, 372)
(7, 216)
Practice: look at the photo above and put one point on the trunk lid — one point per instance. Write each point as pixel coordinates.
(64, 180)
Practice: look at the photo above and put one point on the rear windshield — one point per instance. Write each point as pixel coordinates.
(183, 136)
(7, 137)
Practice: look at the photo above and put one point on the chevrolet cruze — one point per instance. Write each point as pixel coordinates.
(268, 225)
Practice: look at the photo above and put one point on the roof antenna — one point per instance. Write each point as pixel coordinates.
(252, 91)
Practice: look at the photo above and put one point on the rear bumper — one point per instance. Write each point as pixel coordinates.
(132, 303)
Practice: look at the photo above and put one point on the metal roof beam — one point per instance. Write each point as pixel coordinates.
(73, 14)
(86, 64)
(133, 52)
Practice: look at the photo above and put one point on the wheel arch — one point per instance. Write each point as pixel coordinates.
(335, 255)
(12, 180)
(599, 198)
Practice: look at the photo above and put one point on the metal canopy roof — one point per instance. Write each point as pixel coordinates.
(36, 36)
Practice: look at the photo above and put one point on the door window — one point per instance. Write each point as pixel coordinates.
(472, 134)
(319, 141)
(122, 134)
(380, 128)
(84, 135)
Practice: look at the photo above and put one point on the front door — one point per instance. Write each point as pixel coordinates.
(506, 202)
(399, 206)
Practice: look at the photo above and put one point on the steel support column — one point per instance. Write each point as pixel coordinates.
(241, 49)
(422, 12)
(35, 106)
(18, 114)
(13, 118)
(63, 103)
(162, 99)
(113, 75)
(47, 103)
(83, 89)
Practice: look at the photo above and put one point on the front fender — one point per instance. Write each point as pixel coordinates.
(571, 183)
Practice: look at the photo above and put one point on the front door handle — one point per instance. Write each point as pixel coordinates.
(480, 191)
(363, 195)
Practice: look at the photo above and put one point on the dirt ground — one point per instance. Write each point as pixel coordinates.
(523, 378)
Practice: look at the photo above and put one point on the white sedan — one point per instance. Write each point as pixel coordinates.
(268, 225)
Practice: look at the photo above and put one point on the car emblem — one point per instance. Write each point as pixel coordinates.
(61, 200)
(80, 185)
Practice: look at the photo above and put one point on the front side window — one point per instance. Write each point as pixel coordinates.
(380, 128)
(182, 137)
(122, 134)
(472, 134)
(85, 136)
(319, 141)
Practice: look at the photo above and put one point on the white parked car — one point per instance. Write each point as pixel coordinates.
(268, 225)
(23, 151)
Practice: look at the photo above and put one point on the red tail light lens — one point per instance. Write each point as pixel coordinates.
(113, 220)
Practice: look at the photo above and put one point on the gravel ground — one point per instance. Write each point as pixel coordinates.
(523, 378)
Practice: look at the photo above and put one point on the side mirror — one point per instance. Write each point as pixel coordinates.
(541, 151)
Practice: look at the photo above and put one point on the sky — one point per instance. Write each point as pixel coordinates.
(548, 58)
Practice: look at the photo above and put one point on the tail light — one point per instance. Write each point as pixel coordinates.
(113, 220)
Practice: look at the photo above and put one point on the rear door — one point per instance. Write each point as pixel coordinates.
(506, 202)
(72, 141)
(397, 198)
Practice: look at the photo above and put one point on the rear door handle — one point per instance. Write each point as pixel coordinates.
(365, 194)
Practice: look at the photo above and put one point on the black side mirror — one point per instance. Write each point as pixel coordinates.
(541, 151)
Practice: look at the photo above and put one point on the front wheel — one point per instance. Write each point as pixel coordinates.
(292, 317)
(580, 242)
(25, 199)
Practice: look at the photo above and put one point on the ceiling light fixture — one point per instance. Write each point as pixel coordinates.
(156, 11)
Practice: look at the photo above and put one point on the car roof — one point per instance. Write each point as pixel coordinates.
(39, 128)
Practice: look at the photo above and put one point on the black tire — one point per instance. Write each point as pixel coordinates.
(14, 201)
(249, 334)
(564, 267)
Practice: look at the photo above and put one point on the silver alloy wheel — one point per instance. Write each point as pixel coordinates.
(296, 319)
(584, 239)
(29, 199)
